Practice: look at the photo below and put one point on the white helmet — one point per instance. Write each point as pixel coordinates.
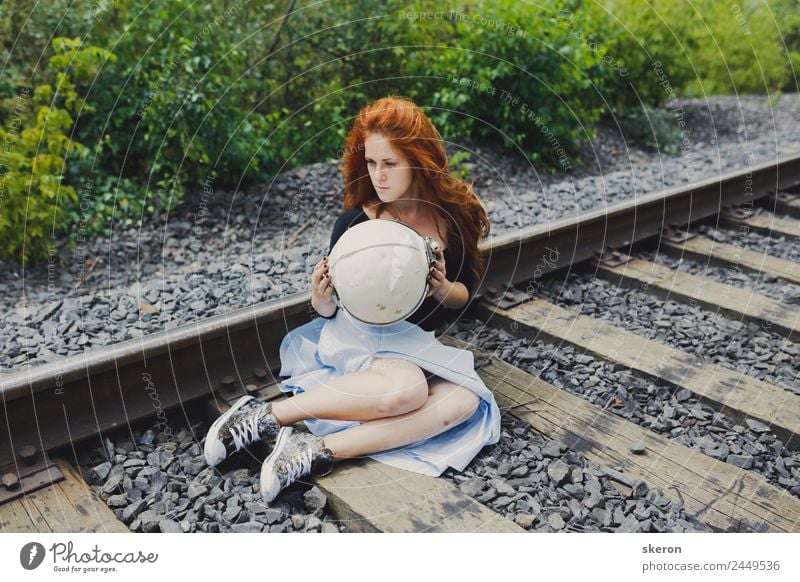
(379, 270)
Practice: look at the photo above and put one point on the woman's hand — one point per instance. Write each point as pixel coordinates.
(437, 278)
(322, 289)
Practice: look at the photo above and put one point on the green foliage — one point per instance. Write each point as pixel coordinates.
(651, 128)
(75, 68)
(459, 164)
(479, 70)
(517, 75)
(37, 150)
(648, 45)
(739, 50)
(786, 18)
(178, 106)
(343, 55)
(26, 30)
(705, 47)
(655, 52)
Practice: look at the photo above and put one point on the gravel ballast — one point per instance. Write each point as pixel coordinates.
(545, 488)
(159, 482)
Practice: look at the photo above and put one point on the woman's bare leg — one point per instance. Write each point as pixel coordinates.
(447, 406)
(392, 386)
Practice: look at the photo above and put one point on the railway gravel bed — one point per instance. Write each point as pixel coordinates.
(674, 413)
(709, 335)
(761, 283)
(545, 488)
(776, 246)
(159, 482)
(223, 251)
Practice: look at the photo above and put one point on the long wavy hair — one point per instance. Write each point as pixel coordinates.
(409, 130)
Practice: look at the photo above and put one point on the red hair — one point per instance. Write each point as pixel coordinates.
(401, 121)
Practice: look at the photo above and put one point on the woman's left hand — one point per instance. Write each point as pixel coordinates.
(437, 276)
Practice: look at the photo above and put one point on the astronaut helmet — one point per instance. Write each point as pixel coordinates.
(379, 270)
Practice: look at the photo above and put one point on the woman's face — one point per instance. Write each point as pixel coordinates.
(388, 168)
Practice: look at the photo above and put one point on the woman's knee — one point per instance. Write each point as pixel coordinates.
(406, 386)
(456, 404)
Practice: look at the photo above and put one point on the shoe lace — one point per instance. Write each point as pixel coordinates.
(299, 466)
(245, 431)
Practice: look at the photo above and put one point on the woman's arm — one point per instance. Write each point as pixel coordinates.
(453, 295)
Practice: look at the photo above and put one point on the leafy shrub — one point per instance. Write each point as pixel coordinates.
(515, 77)
(674, 49)
(38, 148)
(175, 108)
(459, 163)
(786, 15)
(647, 45)
(458, 64)
(651, 128)
(700, 48)
(738, 50)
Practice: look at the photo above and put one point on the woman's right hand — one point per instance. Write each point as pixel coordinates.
(322, 289)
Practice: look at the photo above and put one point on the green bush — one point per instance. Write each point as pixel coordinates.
(37, 151)
(435, 58)
(342, 56)
(739, 50)
(654, 53)
(648, 43)
(517, 77)
(786, 16)
(676, 48)
(31, 193)
(174, 108)
(651, 128)
(459, 164)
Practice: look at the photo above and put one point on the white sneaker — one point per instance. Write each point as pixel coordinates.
(296, 454)
(247, 421)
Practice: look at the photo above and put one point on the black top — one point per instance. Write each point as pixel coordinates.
(430, 314)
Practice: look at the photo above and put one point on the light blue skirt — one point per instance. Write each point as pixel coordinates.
(323, 349)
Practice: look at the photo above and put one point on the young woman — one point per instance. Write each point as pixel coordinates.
(393, 393)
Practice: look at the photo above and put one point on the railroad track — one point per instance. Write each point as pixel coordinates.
(51, 410)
